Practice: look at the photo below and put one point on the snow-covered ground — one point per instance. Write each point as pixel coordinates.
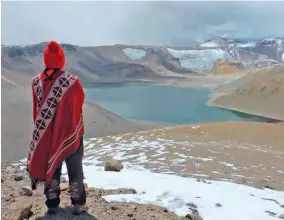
(171, 191)
(175, 193)
(235, 201)
(159, 151)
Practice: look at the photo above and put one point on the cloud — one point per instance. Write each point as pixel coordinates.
(159, 23)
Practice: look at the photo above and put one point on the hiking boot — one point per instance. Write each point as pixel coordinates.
(52, 210)
(79, 209)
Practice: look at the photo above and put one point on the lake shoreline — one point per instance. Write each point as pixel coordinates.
(242, 111)
(197, 81)
(188, 83)
(197, 101)
(140, 124)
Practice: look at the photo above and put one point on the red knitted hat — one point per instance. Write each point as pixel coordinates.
(54, 56)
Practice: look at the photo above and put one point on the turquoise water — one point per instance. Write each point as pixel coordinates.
(162, 104)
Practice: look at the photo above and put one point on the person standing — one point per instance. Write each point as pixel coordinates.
(58, 99)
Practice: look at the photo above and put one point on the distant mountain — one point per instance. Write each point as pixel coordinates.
(117, 63)
(256, 53)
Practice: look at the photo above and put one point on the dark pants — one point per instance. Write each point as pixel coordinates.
(76, 184)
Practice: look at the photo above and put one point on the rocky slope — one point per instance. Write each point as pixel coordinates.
(227, 67)
(256, 53)
(20, 202)
(249, 153)
(17, 122)
(13, 80)
(175, 168)
(259, 92)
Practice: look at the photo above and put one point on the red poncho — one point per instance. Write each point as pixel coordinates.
(58, 122)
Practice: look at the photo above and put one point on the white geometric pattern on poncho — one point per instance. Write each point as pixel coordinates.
(48, 108)
(37, 85)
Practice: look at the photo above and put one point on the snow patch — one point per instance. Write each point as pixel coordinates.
(199, 59)
(210, 44)
(229, 165)
(174, 192)
(250, 44)
(195, 127)
(214, 152)
(134, 54)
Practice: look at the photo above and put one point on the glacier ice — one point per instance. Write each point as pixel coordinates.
(210, 44)
(250, 44)
(134, 54)
(199, 59)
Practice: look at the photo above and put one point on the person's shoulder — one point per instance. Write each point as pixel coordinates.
(36, 78)
(70, 75)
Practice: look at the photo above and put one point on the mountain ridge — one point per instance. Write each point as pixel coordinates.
(120, 62)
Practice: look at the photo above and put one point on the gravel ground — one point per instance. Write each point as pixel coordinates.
(18, 203)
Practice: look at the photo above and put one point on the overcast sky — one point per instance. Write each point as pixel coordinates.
(156, 23)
